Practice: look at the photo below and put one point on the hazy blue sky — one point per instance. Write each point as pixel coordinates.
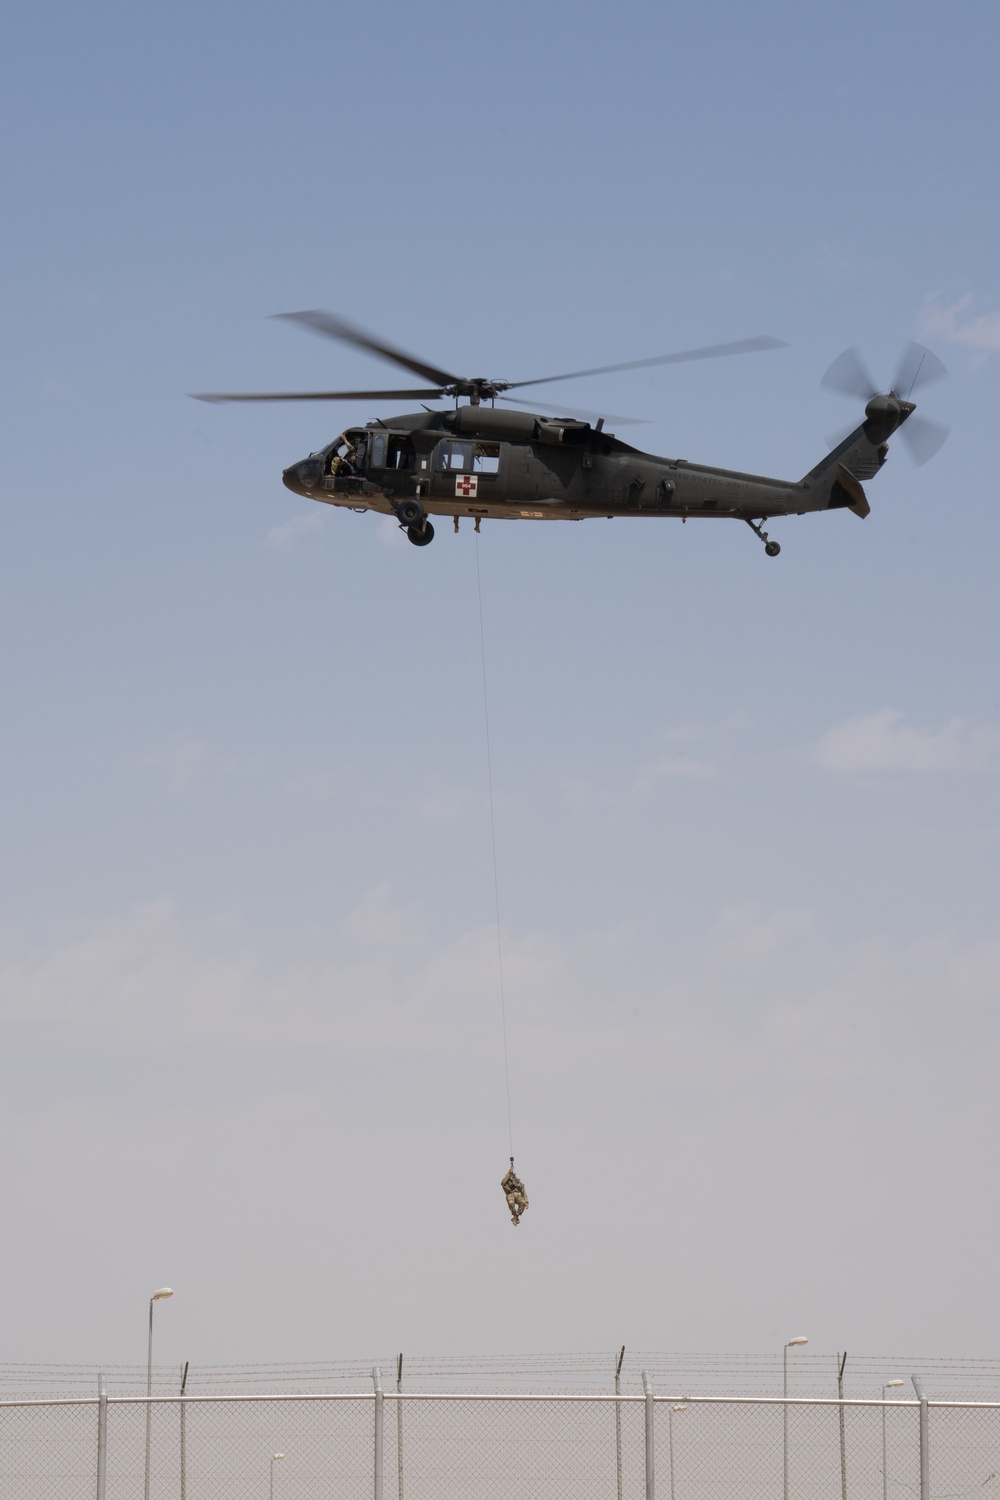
(747, 813)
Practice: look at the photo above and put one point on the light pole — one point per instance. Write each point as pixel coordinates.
(681, 1406)
(274, 1460)
(889, 1385)
(165, 1291)
(795, 1343)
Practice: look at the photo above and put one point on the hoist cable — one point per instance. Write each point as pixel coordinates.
(493, 843)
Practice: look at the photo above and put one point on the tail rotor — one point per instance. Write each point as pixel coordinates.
(923, 438)
(849, 377)
(917, 367)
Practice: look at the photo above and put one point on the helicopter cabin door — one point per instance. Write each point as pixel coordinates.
(471, 473)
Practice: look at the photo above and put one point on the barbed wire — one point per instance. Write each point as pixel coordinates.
(692, 1373)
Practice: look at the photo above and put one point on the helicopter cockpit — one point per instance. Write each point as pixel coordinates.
(346, 456)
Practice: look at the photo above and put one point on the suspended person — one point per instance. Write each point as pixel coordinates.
(514, 1192)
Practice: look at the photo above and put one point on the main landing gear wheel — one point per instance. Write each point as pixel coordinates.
(420, 537)
(410, 513)
(772, 549)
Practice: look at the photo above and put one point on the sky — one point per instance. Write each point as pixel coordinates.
(746, 811)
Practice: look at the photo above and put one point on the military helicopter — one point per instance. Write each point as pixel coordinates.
(480, 460)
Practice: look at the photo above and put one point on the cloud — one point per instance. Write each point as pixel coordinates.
(981, 333)
(880, 741)
(684, 759)
(282, 537)
(148, 979)
(584, 797)
(747, 933)
(374, 921)
(757, 990)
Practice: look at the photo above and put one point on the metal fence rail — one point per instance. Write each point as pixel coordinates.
(466, 1445)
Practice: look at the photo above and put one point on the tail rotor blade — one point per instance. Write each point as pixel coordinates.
(848, 376)
(923, 438)
(917, 367)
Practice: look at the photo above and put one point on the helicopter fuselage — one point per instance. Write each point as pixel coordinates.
(480, 461)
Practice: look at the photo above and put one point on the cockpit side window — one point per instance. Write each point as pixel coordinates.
(379, 444)
(454, 456)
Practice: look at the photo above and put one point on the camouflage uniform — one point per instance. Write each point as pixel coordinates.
(343, 463)
(514, 1191)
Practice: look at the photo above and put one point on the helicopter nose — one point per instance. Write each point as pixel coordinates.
(304, 475)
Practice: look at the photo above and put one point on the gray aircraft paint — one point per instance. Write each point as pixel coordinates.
(564, 469)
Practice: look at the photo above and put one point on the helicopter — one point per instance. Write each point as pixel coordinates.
(481, 460)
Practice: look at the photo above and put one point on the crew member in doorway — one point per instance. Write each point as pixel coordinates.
(344, 457)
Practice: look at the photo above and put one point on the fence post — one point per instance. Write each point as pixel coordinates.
(843, 1437)
(925, 1451)
(379, 1420)
(184, 1381)
(399, 1426)
(102, 1437)
(647, 1387)
(618, 1422)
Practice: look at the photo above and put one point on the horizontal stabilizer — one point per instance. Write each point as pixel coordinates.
(856, 499)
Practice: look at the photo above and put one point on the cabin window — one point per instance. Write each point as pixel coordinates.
(452, 456)
(379, 442)
(486, 459)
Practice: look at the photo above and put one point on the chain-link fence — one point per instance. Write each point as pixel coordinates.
(389, 1445)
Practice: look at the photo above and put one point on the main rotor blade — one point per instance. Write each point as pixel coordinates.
(713, 351)
(923, 438)
(318, 395)
(917, 367)
(576, 411)
(328, 325)
(848, 376)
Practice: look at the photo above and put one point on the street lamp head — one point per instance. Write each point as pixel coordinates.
(276, 1455)
(795, 1342)
(681, 1406)
(165, 1291)
(890, 1384)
